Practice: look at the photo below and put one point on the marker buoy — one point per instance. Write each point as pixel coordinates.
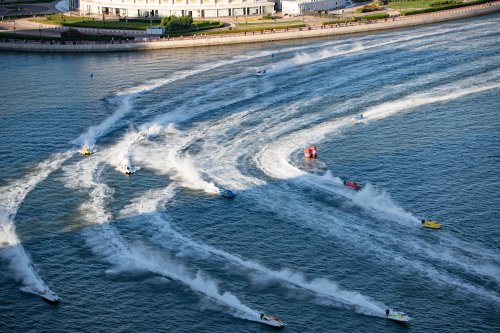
(307, 153)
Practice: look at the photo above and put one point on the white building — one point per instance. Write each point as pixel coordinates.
(162, 8)
(299, 7)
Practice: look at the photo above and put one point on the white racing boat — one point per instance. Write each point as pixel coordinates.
(397, 316)
(142, 136)
(49, 296)
(271, 320)
(261, 72)
(358, 119)
(126, 169)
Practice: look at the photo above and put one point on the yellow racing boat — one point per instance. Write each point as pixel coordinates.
(431, 224)
(397, 316)
(86, 150)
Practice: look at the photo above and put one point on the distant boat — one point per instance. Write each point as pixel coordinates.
(261, 72)
(126, 169)
(358, 118)
(142, 136)
(271, 320)
(86, 150)
(431, 224)
(397, 316)
(49, 297)
(352, 185)
(226, 193)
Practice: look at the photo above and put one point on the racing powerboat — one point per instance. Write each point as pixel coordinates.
(142, 136)
(126, 169)
(358, 118)
(397, 316)
(226, 193)
(85, 150)
(271, 320)
(49, 297)
(352, 185)
(431, 224)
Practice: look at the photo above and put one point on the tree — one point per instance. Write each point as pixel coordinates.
(177, 23)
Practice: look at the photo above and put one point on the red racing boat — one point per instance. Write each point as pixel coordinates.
(352, 185)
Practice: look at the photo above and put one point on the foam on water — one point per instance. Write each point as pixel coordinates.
(107, 242)
(179, 168)
(321, 286)
(247, 135)
(11, 198)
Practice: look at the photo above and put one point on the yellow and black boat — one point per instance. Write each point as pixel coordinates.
(431, 224)
(85, 150)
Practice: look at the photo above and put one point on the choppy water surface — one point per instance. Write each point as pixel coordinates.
(162, 251)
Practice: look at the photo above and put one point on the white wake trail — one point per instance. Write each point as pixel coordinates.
(280, 167)
(153, 201)
(179, 168)
(107, 242)
(320, 286)
(94, 132)
(11, 198)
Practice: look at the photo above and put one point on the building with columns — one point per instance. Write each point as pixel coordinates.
(299, 7)
(162, 8)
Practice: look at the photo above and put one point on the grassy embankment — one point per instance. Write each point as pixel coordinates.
(205, 27)
(417, 4)
(413, 8)
(122, 24)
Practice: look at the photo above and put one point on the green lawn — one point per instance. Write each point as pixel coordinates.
(87, 22)
(198, 26)
(409, 4)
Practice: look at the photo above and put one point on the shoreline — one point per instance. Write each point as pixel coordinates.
(155, 43)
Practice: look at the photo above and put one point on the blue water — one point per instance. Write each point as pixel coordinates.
(162, 251)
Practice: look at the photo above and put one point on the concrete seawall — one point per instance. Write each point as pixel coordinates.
(400, 22)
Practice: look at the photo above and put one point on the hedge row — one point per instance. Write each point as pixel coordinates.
(444, 3)
(347, 20)
(235, 31)
(375, 16)
(155, 20)
(378, 16)
(437, 9)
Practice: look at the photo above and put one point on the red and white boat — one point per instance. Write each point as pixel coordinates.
(352, 185)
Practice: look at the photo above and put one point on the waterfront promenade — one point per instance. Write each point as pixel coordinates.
(154, 43)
